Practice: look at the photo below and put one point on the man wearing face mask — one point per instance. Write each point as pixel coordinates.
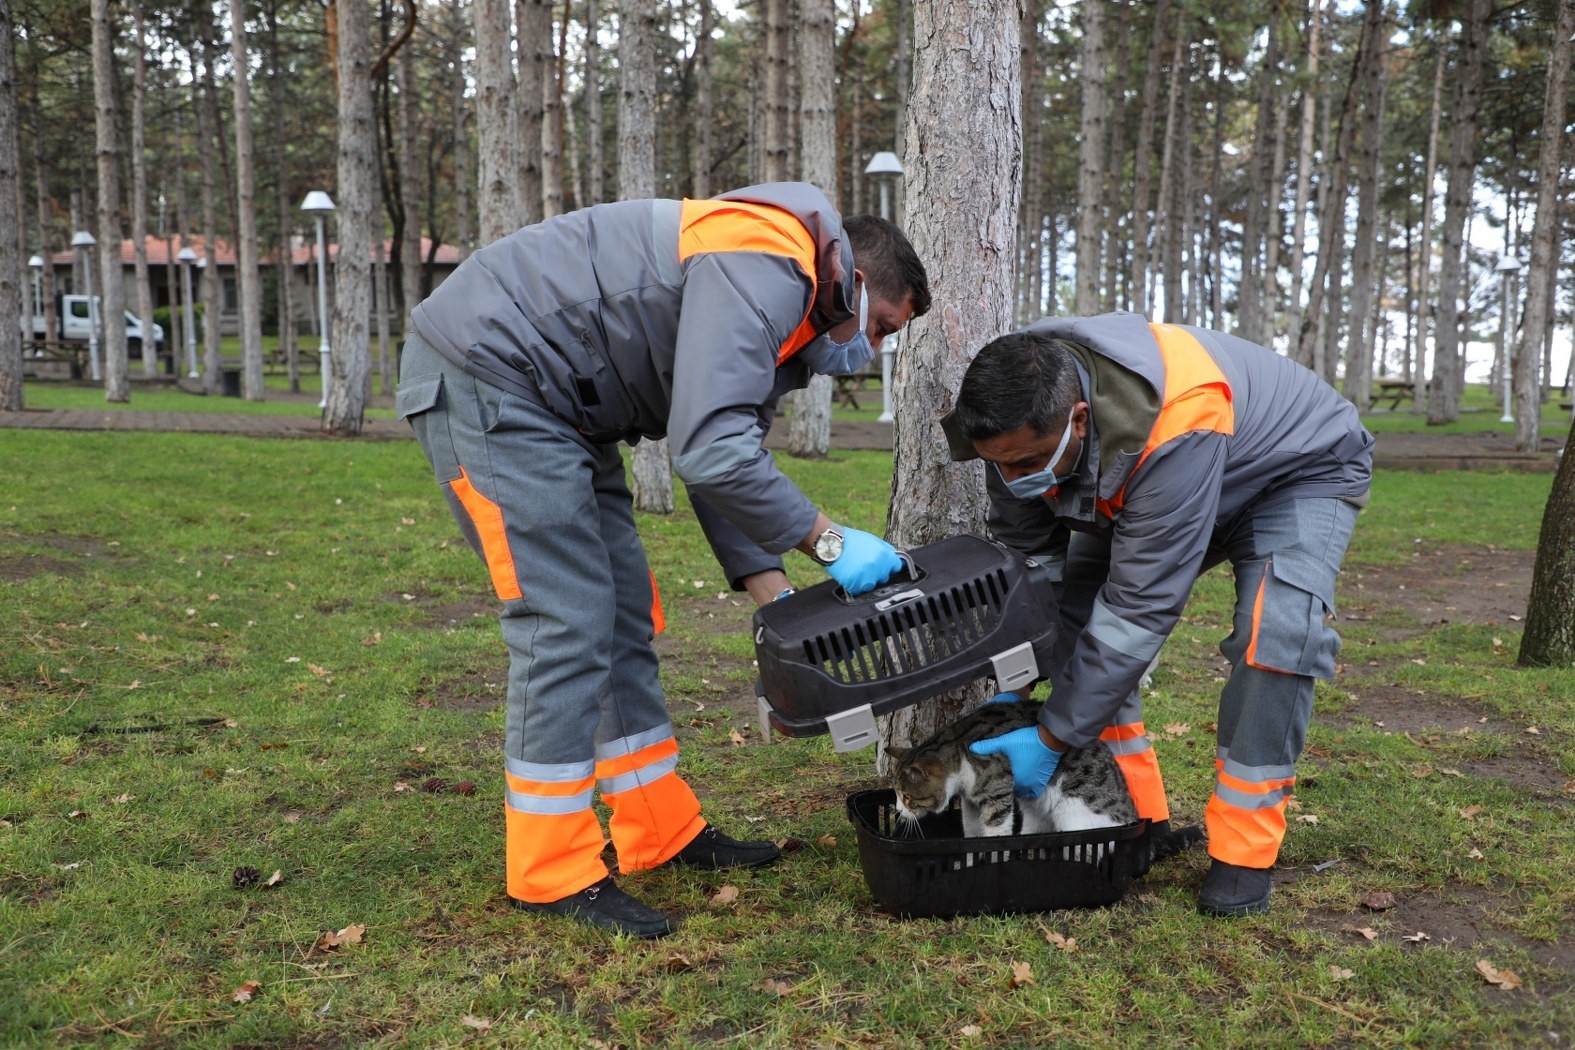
(525, 372)
(1129, 458)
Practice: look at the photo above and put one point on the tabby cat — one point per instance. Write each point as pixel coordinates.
(1087, 791)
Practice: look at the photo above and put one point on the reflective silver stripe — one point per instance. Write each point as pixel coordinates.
(628, 745)
(556, 773)
(1258, 774)
(719, 457)
(1122, 636)
(666, 218)
(1129, 747)
(548, 805)
(1243, 800)
(638, 777)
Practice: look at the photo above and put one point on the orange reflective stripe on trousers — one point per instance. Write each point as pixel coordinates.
(654, 813)
(1140, 765)
(1246, 815)
(553, 841)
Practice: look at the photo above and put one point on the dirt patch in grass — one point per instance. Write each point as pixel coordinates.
(16, 568)
(471, 694)
(436, 614)
(1444, 583)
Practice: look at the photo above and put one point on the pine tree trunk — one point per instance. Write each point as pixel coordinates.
(651, 474)
(777, 98)
(552, 122)
(1261, 192)
(139, 196)
(1425, 308)
(247, 279)
(1359, 346)
(280, 97)
(533, 24)
(595, 158)
(1549, 638)
(207, 104)
(112, 282)
(1031, 246)
(459, 119)
(700, 160)
(497, 124)
(902, 75)
(1143, 162)
(10, 222)
(43, 218)
(1448, 381)
(961, 217)
(1167, 236)
(1304, 166)
(1091, 160)
(409, 190)
(349, 369)
(809, 425)
(1538, 317)
(1114, 249)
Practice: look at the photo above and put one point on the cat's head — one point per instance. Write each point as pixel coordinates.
(922, 782)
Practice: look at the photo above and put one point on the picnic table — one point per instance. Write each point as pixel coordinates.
(1392, 390)
(849, 387)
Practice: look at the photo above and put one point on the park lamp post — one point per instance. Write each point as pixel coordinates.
(319, 205)
(86, 241)
(36, 264)
(1507, 267)
(885, 169)
(186, 258)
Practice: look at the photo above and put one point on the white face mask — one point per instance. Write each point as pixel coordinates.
(1040, 481)
(828, 357)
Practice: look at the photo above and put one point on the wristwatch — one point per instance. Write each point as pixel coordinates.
(828, 545)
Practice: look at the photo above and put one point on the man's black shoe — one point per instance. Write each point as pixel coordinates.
(1166, 841)
(712, 849)
(605, 905)
(1230, 890)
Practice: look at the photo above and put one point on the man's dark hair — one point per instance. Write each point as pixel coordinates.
(1017, 380)
(891, 266)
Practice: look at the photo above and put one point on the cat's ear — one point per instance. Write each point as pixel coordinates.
(892, 752)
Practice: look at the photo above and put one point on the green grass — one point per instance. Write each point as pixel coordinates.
(316, 597)
(1480, 412)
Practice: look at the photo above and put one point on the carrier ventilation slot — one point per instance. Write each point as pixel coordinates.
(914, 635)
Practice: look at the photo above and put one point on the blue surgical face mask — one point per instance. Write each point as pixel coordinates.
(828, 357)
(1040, 481)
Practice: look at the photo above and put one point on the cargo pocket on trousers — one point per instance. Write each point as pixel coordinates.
(1289, 629)
(420, 400)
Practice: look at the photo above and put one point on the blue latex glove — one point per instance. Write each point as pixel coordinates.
(1032, 762)
(867, 562)
(1004, 698)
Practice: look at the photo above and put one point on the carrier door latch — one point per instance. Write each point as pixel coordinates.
(852, 729)
(1015, 667)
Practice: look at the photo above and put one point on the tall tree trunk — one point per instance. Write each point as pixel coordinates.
(705, 101)
(552, 122)
(1448, 380)
(1549, 638)
(207, 104)
(1091, 160)
(409, 190)
(1425, 310)
(247, 278)
(1528, 356)
(533, 25)
(1304, 165)
(902, 75)
(595, 158)
(1358, 345)
(809, 425)
(380, 292)
(349, 369)
(459, 117)
(651, 473)
(283, 246)
(498, 194)
(1211, 215)
(1114, 248)
(966, 98)
(1143, 161)
(1167, 225)
(1031, 247)
(778, 59)
(112, 281)
(43, 216)
(1261, 192)
(10, 222)
(139, 195)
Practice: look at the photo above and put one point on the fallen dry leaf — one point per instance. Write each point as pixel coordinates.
(1533, 730)
(737, 738)
(1508, 980)
(349, 935)
(1416, 937)
(244, 993)
(77, 814)
(678, 963)
(1569, 788)
(479, 1024)
(725, 895)
(826, 840)
(1307, 818)
(1476, 854)
(970, 1031)
(1449, 772)
(121, 800)
(776, 986)
(1066, 944)
(1022, 973)
(1366, 932)
(1340, 973)
(1469, 812)
(275, 879)
(1380, 900)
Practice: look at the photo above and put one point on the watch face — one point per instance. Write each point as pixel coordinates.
(828, 547)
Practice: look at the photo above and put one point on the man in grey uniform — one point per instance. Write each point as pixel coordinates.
(1130, 457)
(527, 369)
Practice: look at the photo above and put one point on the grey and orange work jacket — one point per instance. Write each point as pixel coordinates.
(1189, 431)
(653, 318)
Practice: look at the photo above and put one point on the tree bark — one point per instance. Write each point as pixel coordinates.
(1424, 303)
(1114, 248)
(533, 27)
(11, 271)
(1448, 381)
(595, 159)
(207, 103)
(498, 196)
(139, 194)
(280, 92)
(651, 473)
(961, 217)
(701, 143)
(1031, 236)
(1167, 234)
(1261, 192)
(409, 190)
(1359, 343)
(250, 285)
(349, 369)
(1091, 160)
(1143, 162)
(1538, 317)
(1549, 638)
(112, 282)
(902, 75)
(809, 424)
(1304, 165)
(552, 122)
(459, 116)
(778, 58)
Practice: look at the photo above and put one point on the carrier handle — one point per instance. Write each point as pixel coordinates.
(886, 596)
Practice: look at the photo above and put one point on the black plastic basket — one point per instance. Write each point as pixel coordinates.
(934, 871)
(967, 608)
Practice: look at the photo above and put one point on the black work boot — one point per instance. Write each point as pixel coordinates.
(1230, 890)
(604, 904)
(712, 849)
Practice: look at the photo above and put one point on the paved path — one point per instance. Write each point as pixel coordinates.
(1486, 449)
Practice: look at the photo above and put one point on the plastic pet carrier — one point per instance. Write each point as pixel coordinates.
(965, 609)
(930, 869)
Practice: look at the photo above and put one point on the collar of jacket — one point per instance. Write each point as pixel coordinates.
(834, 256)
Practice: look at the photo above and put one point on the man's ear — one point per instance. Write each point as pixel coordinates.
(1079, 419)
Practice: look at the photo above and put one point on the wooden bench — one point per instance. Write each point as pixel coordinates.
(849, 387)
(1392, 390)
